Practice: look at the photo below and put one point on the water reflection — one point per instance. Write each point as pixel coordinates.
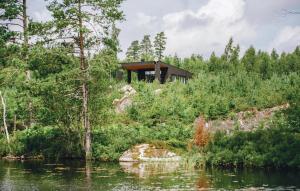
(78, 175)
(203, 182)
(147, 169)
(88, 170)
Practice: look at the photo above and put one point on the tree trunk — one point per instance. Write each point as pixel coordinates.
(25, 24)
(4, 117)
(15, 123)
(84, 73)
(26, 46)
(88, 172)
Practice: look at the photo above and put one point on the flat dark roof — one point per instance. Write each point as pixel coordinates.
(150, 65)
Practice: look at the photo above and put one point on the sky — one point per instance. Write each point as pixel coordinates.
(203, 26)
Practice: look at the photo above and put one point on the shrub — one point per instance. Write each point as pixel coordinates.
(50, 142)
(201, 137)
(277, 146)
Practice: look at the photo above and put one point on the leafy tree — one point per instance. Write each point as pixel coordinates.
(14, 27)
(230, 57)
(54, 86)
(103, 65)
(248, 59)
(213, 62)
(234, 59)
(263, 60)
(228, 50)
(274, 55)
(160, 45)
(146, 48)
(111, 40)
(176, 60)
(133, 52)
(195, 63)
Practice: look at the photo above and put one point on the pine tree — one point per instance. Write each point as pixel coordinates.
(230, 57)
(228, 50)
(14, 23)
(146, 48)
(160, 45)
(176, 60)
(72, 21)
(274, 61)
(14, 18)
(133, 53)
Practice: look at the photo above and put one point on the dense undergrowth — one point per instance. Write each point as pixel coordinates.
(47, 116)
(277, 146)
(167, 120)
(108, 142)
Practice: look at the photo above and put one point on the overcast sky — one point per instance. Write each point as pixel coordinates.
(203, 26)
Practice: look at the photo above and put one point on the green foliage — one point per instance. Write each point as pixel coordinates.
(252, 62)
(134, 52)
(50, 142)
(110, 142)
(277, 146)
(160, 45)
(221, 86)
(9, 11)
(146, 48)
(102, 68)
(55, 74)
(212, 95)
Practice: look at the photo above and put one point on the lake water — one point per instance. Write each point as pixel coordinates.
(76, 175)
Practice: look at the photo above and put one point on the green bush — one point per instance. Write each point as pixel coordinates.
(110, 142)
(212, 95)
(277, 146)
(50, 142)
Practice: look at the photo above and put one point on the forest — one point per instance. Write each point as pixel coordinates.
(58, 82)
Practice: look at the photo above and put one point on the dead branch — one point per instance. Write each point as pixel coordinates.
(4, 117)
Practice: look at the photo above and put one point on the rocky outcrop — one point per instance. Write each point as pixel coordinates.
(126, 100)
(244, 121)
(147, 152)
(128, 90)
(158, 91)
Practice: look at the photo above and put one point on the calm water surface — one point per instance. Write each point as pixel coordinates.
(77, 175)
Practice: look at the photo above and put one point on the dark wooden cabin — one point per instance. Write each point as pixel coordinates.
(156, 70)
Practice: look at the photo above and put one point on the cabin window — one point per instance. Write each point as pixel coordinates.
(182, 79)
(150, 76)
(150, 72)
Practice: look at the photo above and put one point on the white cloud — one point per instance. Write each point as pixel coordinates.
(144, 20)
(207, 29)
(287, 39)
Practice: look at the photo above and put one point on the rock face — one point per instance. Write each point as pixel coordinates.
(158, 91)
(147, 152)
(128, 90)
(245, 120)
(126, 100)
